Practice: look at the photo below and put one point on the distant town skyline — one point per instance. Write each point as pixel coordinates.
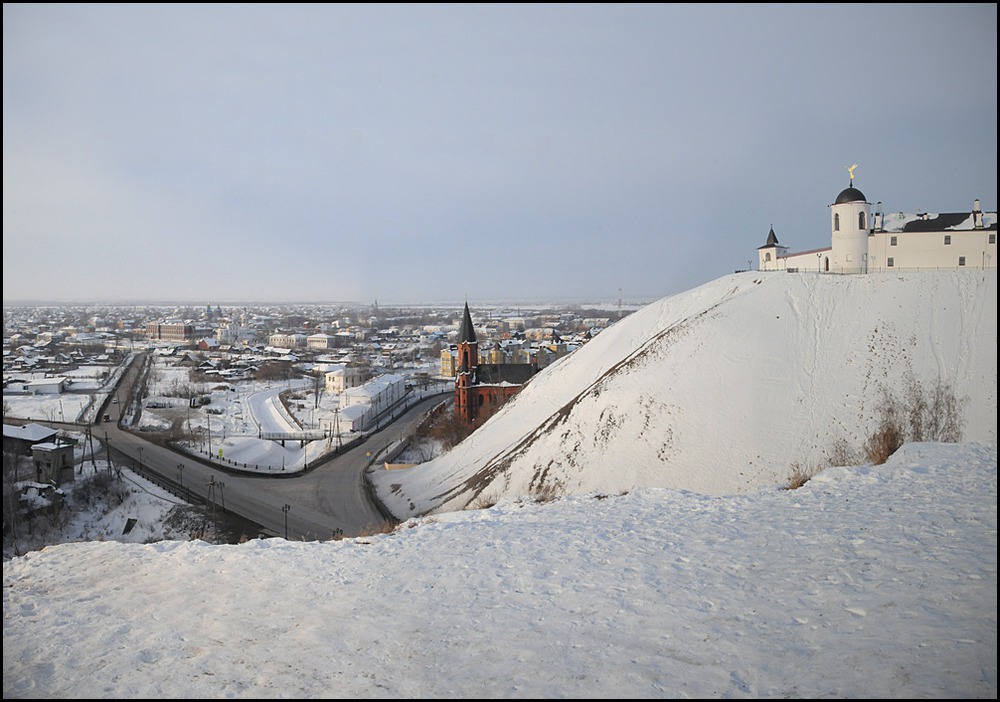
(435, 154)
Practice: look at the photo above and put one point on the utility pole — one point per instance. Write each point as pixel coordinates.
(107, 446)
(211, 499)
(285, 510)
(222, 493)
(93, 456)
(336, 426)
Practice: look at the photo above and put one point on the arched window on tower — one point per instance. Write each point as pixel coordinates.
(836, 222)
(861, 220)
(767, 256)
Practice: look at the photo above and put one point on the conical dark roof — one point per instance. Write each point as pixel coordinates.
(467, 333)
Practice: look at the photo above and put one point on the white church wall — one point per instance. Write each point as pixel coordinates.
(929, 250)
(860, 244)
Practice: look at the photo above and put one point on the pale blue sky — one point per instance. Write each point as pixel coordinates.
(436, 153)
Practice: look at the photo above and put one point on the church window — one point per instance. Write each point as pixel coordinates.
(993, 238)
(836, 222)
(767, 256)
(892, 241)
(961, 260)
(890, 262)
(861, 220)
(947, 239)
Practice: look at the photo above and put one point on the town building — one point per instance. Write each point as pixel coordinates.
(40, 386)
(321, 342)
(363, 407)
(19, 440)
(169, 331)
(287, 340)
(344, 378)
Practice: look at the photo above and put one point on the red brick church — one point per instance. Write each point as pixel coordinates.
(481, 388)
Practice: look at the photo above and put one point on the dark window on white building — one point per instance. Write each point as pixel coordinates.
(947, 239)
(892, 241)
(961, 260)
(890, 262)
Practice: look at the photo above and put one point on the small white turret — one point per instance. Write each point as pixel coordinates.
(850, 220)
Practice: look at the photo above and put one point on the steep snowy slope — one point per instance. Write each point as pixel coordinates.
(722, 389)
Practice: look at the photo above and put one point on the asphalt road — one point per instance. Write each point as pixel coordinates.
(327, 501)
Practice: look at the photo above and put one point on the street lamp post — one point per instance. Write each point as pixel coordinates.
(140, 458)
(285, 510)
(819, 263)
(180, 474)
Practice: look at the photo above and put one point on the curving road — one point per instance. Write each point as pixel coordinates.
(328, 501)
(337, 489)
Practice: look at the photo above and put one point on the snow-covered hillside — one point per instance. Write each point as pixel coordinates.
(726, 387)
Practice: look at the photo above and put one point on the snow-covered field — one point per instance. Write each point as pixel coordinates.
(89, 387)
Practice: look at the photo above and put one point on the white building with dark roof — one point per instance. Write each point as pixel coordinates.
(863, 242)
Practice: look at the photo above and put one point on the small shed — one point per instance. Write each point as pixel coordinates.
(53, 462)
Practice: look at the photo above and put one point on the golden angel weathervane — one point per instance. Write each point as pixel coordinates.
(850, 172)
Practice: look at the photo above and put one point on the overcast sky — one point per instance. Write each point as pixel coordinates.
(438, 153)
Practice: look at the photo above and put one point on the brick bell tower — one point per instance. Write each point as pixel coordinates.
(468, 360)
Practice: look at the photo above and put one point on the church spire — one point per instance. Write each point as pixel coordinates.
(467, 333)
(772, 240)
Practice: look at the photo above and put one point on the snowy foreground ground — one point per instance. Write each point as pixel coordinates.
(876, 582)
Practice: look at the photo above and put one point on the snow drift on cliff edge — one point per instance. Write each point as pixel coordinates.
(722, 389)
